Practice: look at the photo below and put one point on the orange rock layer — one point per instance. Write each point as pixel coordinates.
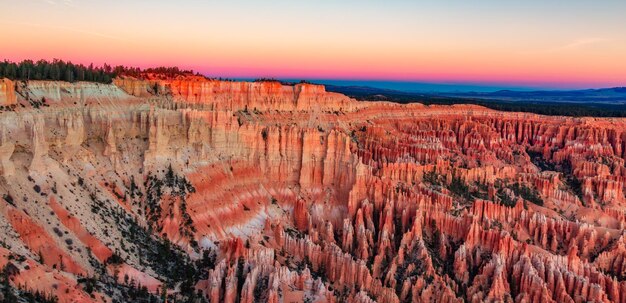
(309, 195)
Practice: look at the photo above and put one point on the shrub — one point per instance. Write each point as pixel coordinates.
(527, 193)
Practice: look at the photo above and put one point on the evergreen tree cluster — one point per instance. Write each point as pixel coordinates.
(59, 70)
(11, 294)
(527, 193)
(168, 72)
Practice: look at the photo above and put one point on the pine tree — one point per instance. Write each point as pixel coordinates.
(69, 75)
(55, 72)
(80, 73)
(11, 71)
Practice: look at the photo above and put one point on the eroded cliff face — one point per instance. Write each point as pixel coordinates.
(7, 92)
(233, 95)
(288, 194)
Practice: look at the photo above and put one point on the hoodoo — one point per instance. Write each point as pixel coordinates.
(224, 191)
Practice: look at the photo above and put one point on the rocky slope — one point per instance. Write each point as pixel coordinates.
(203, 190)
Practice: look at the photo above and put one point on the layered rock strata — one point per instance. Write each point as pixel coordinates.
(305, 195)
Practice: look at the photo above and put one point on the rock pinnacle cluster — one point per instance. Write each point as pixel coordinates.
(189, 189)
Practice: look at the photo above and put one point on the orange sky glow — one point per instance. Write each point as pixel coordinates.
(535, 43)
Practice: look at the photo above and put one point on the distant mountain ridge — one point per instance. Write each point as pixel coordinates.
(606, 102)
(604, 95)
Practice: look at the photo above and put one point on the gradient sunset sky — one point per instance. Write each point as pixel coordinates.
(555, 44)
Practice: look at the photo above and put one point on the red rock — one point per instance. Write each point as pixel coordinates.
(7, 92)
(307, 194)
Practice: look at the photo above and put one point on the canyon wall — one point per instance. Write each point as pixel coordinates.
(302, 194)
(235, 95)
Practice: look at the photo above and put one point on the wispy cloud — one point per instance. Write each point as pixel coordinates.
(66, 28)
(64, 2)
(576, 44)
(579, 43)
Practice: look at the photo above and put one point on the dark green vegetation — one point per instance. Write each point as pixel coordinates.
(470, 192)
(152, 250)
(170, 262)
(550, 108)
(527, 193)
(505, 199)
(506, 191)
(458, 187)
(571, 182)
(59, 70)
(177, 188)
(167, 259)
(168, 72)
(519, 190)
(604, 95)
(10, 294)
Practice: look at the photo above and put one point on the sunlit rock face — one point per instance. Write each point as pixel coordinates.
(232, 95)
(303, 195)
(7, 92)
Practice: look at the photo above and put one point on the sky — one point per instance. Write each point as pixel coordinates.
(543, 44)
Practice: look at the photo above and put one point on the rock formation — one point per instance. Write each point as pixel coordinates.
(273, 193)
(7, 92)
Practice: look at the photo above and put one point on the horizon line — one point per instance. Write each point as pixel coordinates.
(546, 86)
